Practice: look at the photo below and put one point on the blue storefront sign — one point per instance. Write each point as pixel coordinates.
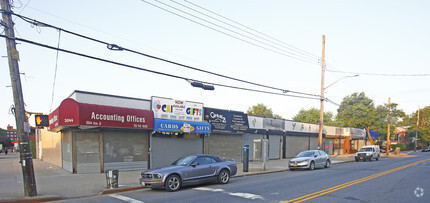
(181, 126)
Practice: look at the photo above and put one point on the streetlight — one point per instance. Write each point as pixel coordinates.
(322, 105)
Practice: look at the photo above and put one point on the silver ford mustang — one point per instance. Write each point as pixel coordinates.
(189, 170)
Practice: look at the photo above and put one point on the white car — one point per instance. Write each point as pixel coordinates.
(367, 153)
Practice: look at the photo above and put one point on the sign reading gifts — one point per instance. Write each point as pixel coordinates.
(172, 109)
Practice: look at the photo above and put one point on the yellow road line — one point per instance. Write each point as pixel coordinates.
(338, 187)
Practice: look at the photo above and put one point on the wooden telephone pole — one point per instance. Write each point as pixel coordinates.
(388, 128)
(22, 127)
(320, 131)
(416, 132)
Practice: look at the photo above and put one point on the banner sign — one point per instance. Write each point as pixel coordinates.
(273, 124)
(226, 121)
(255, 122)
(72, 113)
(301, 127)
(171, 109)
(181, 126)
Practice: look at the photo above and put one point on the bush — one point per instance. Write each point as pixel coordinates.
(401, 145)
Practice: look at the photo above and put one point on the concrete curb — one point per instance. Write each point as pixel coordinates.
(34, 199)
(124, 189)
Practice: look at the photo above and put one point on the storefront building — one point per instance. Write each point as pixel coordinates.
(300, 137)
(227, 131)
(179, 130)
(96, 138)
(264, 128)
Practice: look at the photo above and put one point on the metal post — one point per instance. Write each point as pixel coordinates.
(23, 139)
(388, 128)
(245, 158)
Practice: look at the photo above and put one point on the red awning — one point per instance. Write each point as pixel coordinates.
(71, 113)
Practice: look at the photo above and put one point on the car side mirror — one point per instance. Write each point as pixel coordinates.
(195, 164)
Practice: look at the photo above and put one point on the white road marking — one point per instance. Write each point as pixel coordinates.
(245, 195)
(236, 194)
(209, 189)
(126, 199)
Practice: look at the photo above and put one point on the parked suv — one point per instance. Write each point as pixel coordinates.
(368, 153)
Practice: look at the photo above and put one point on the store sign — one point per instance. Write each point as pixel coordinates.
(72, 113)
(301, 127)
(255, 122)
(171, 109)
(273, 124)
(181, 126)
(226, 121)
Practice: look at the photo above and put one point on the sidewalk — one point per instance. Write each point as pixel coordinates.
(55, 183)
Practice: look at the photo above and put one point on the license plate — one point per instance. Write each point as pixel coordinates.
(295, 165)
(361, 157)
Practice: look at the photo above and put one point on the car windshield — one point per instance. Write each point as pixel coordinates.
(365, 149)
(183, 161)
(305, 154)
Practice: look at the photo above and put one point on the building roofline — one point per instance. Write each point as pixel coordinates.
(109, 95)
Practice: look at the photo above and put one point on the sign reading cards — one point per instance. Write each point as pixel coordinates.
(171, 109)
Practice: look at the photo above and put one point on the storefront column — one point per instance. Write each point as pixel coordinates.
(101, 147)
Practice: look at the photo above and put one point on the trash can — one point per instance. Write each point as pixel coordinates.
(112, 179)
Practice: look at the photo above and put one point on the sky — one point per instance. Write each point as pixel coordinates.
(369, 38)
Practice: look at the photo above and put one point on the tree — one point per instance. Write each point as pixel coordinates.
(2, 132)
(312, 115)
(357, 111)
(380, 123)
(262, 110)
(424, 125)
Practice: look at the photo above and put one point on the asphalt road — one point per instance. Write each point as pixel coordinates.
(388, 180)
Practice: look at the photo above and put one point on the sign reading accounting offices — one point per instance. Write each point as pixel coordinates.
(172, 109)
(72, 113)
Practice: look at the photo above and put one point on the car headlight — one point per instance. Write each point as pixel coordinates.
(305, 161)
(156, 176)
(368, 154)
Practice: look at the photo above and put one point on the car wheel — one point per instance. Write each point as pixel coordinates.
(327, 163)
(312, 166)
(224, 176)
(173, 183)
(291, 169)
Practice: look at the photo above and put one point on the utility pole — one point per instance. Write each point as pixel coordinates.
(22, 126)
(416, 132)
(388, 130)
(322, 95)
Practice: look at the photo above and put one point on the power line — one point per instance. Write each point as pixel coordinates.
(119, 48)
(230, 35)
(151, 71)
(256, 31)
(243, 30)
(382, 74)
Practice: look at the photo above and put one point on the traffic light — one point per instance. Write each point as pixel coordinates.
(42, 120)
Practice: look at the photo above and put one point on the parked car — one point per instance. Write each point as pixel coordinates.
(189, 170)
(368, 153)
(427, 149)
(310, 160)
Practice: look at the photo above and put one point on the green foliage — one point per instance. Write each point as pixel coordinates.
(6, 142)
(357, 111)
(401, 145)
(262, 110)
(313, 116)
(2, 132)
(424, 124)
